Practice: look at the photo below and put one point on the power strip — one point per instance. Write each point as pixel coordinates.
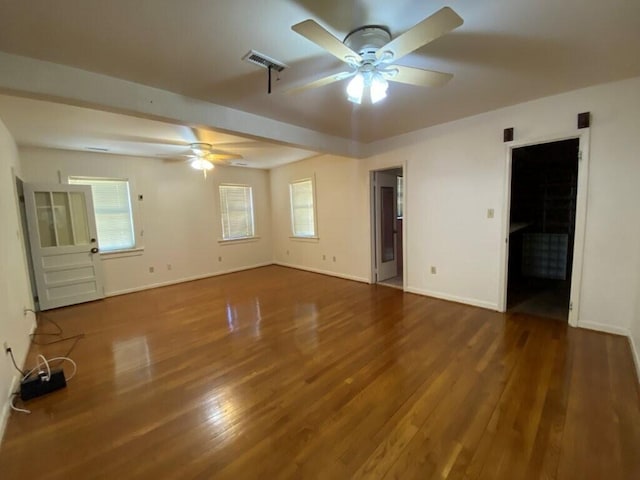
(37, 385)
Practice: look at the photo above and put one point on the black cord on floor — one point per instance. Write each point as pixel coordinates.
(58, 333)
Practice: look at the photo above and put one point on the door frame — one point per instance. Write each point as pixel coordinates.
(583, 136)
(372, 222)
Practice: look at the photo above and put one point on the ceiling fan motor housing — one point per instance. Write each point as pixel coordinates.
(367, 40)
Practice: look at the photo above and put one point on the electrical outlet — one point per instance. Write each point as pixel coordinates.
(6, 347)
(334, 258)
(287, 252)
(490, 213)
(151, 269)
(219, 259)
(169, 266)
(434, 270)
(324, 257)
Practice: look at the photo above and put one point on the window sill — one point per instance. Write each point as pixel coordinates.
(233, 241)
(305, 239)
(129, 252)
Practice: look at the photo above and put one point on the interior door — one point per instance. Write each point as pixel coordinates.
(64, 249)
(386, 234)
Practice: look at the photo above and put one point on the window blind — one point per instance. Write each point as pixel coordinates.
(112, 207)
(302, 211)
(236, 206)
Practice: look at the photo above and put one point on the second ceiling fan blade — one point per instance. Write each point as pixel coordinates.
(321, 82)
(320, 36)
(435, 26)
(420, 77)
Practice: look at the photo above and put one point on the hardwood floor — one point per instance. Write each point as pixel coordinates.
(279, 373)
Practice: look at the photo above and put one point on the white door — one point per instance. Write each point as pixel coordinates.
(62, 234)
(386, 234)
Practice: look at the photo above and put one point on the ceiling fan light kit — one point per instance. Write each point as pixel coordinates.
(370, 51)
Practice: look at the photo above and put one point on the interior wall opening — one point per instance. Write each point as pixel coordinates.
(388, 219)
(542, 227)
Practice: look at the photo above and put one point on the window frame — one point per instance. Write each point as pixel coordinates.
(314, 208)
(253, 235)
(113, 253)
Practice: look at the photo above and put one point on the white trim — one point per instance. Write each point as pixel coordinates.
(233, 241)
(305, 239)
(324, 272)
(13, 385)
(183, 280)
(454, 298)
(127, 252)
(583, 136)
(636, 356)
(605, 328)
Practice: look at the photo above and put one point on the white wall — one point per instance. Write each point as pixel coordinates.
(455, 172)
(15, 293)
(179, 215)
(341, 217)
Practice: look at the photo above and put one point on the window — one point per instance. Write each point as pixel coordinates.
(112, 206)
(236, 208)
(302, 208)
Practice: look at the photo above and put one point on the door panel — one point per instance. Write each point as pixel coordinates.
(386, 235)
(62, 235)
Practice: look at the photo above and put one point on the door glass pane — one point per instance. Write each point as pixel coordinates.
(388, 220)
(46, 230)
(79, 216)
(62, 218)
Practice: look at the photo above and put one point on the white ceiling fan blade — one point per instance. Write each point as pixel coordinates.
(213, 156)
(321, 82)
(441, 22)
(320, 36)
(418, 76)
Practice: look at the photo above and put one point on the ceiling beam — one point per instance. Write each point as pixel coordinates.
(50, 81)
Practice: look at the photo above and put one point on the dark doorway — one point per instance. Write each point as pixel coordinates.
(544, 182)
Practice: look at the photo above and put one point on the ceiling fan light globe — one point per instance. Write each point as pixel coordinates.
(355, 89)
(201, 164)
(378, 90)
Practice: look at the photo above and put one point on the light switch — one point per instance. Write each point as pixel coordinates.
(490, 213)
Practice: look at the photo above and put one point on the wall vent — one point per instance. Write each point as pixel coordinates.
(263, 61)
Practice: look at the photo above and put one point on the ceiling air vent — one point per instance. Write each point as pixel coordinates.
(263, 61)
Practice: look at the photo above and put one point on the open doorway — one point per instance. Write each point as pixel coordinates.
(542, 228)
(387, 215)
(25, 238)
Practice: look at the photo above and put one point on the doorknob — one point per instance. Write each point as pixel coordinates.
(94, 250)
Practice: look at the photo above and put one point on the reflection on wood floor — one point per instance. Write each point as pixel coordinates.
(279, 373)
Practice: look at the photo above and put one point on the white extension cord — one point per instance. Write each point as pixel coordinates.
(44, 374)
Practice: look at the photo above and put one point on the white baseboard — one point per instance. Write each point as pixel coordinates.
(454, 298)
(15, 381)
(323, 272)
(603, 327)
(636, 356)
(182, 280)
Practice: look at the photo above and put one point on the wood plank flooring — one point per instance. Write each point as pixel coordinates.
(278, 373)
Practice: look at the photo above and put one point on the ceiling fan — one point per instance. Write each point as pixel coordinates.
(202, 156)
(371, 53)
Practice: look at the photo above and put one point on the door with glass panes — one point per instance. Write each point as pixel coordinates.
(64, 246)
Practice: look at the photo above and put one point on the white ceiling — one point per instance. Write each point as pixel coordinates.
(38, 123)
(507, 52)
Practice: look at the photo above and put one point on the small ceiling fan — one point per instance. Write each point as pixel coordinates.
(371, 53)
(202, 156)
